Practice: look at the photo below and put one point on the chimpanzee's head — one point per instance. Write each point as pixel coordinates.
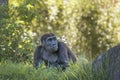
(49, 42)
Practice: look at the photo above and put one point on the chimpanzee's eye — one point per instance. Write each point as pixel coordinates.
(50, 39)
(54, 38)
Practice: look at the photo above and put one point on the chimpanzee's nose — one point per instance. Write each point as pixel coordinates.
(54, 45)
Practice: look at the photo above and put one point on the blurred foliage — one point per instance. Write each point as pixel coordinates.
(88, 26)
(16, 44)
(99, 26)
(25, 71)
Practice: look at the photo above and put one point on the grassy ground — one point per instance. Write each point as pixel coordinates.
(14, 71)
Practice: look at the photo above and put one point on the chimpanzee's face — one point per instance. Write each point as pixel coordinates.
(51, 44)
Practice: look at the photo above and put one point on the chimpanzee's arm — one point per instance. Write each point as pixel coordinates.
(37, 56)
(71, 55)
(62, 55)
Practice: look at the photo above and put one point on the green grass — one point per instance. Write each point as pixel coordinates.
(21, 71)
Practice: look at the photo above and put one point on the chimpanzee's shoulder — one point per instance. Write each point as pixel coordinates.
(39, 50)
(61, 43)
(40, 46)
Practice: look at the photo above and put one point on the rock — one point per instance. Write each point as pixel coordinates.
(109, 63)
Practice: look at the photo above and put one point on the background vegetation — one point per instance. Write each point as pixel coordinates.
(88, 27)
(21, 71)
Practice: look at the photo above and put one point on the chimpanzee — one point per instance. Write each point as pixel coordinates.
(53, 52)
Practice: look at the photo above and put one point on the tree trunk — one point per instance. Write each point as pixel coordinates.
(3, 12)
(3, 2)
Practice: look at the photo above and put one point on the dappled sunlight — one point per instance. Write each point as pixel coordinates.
(88, 27)
(15, 2)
